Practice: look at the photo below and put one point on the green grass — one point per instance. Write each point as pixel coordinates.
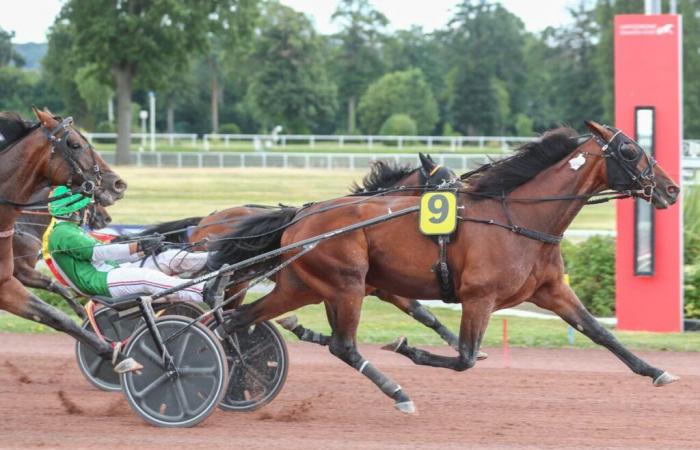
(168, 194)
(382, 323)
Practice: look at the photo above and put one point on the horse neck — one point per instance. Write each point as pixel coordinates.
(554, 217)
(22, 172)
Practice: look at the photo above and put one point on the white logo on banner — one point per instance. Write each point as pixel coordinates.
(645, 29)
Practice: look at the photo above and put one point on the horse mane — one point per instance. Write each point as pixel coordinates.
(382, 175)
(530, 159)
(13, 128)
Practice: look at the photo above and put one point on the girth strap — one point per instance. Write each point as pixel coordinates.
(443, 272)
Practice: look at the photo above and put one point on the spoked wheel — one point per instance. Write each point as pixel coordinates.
(185, 393)
(98, 371)
(258, 363)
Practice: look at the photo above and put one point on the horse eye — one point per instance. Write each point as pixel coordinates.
(628, 152)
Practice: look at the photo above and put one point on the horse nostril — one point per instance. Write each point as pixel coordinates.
(108, 220)
(119, 185)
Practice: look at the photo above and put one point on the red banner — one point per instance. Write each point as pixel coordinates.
(648, 69)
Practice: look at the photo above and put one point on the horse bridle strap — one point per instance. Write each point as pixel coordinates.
(7, 233)
(58, 137)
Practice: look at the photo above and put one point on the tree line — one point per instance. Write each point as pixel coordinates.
(250, 65)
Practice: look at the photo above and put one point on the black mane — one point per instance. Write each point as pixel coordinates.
(13, 128)
(382, 175)
(529, 160)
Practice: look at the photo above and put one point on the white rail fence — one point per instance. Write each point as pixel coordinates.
(263, 142)
(325, 161)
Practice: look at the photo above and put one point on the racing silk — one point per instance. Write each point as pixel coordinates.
(81, 260)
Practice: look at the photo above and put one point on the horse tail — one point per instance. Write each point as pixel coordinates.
(251, 237)
(174, 231)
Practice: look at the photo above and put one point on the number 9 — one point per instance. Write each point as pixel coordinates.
(439, 207)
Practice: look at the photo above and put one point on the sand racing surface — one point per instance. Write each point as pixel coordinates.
(544, 399)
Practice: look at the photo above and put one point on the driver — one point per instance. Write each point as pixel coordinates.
(114, 270)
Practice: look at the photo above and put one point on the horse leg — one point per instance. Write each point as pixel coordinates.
(25, 272)
(72, 300)
(475, 319)
(14, 298)
(561, 299)
(291, 324)
(342, 345)
(419, 312)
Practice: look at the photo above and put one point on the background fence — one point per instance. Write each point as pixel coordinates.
(327, 161)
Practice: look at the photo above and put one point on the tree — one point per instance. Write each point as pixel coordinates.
(289, 85)
(140, 41)
(486, 44)
(358, 59)
(691, 67)
(7, 53)
(404, 92)
(579, 87)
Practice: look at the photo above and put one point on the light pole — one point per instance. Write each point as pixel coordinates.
(143, 115)
(152, 107)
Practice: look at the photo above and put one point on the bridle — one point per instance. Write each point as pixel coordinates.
(623, 174)
(58, 138)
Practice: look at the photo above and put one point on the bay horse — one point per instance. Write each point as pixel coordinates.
(383, 175)
(504, 251)
(26, 248)
(50, 152)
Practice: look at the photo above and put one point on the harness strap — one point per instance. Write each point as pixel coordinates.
(444, 274)
(7, 233)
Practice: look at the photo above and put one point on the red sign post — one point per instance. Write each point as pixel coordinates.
(648, 105)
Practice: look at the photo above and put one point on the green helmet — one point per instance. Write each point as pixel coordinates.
(66, 206)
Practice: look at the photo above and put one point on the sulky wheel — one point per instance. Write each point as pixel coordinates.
(98, 371)
(258, 362)
(185, 393)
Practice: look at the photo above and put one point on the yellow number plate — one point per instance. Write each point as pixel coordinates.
(438, 213)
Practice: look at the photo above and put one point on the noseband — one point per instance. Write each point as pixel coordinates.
(58, 137)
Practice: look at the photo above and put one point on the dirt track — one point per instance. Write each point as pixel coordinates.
(546, 399)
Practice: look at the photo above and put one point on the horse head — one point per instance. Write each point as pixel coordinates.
(78, 163)
(628, 167)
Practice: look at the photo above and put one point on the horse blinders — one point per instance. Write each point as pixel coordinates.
(623, 156)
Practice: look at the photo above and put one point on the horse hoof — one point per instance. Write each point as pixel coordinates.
(481, 355)
(128, 365)
(288, 323)
(664, 379)
(406, 407)
(395, 346)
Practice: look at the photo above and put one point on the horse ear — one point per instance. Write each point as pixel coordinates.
(426, 162)
(44, 117)
(598, 129)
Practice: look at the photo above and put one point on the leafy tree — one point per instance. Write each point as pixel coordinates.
(404, 92)
(398, 125)
(578, 86)
(7, 53)
(289, 85)
(691, 66)
(486, 42)
(358, 60)
(16, 86)
(140, 41)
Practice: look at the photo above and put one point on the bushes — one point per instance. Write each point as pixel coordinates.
(591, 268)
(229, 128)
(405, 92)
(398, 125)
